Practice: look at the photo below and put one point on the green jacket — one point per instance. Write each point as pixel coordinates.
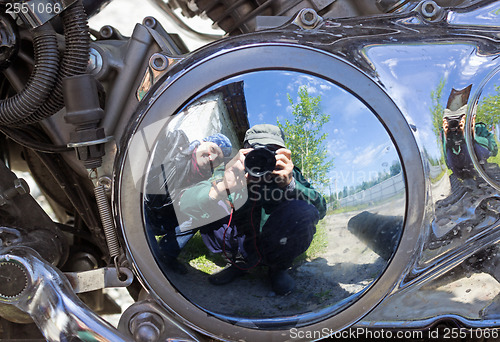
(485, 138)
(252, 205)
(482, 136)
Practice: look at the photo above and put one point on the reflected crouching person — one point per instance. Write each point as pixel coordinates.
(457, 155)
(258, 210)
(177, 164)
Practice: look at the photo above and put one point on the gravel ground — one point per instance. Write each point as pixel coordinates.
(344, 268)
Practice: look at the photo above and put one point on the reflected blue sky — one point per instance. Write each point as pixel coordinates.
(356, 140)
(412, 73)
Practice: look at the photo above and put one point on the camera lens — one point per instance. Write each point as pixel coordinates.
(260, 162)
(453, 124)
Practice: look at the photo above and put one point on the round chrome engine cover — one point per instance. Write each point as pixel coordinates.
(368, 140)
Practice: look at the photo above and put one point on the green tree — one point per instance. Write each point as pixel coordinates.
(488, 110)
(437, 110)
(395, 168)
(304, 137)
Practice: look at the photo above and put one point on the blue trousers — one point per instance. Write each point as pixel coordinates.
(461, 163)
(287, 233)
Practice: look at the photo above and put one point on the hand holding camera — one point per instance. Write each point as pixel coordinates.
(234, 176)
(268, 164)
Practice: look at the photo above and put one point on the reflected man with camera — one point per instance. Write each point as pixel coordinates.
(258, 210)
(457, 156)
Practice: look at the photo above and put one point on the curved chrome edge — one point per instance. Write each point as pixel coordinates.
(249, 51)
(428, 323)
(51, 303)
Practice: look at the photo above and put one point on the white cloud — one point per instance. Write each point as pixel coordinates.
(370, 155)
(314, 85)
(311, 89)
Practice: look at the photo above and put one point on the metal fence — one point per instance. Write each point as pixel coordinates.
(379, 192)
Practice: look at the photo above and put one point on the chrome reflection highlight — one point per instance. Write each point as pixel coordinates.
(337, 175)
(42, 291)
(483, 127)
(451, 103)
(431, 70)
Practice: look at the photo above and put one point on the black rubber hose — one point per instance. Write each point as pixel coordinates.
(41, 82)
(27, 141)
(74, 61)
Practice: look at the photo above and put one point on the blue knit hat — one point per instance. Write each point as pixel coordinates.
(222, 141)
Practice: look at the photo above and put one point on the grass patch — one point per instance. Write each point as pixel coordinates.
(195, 254)
(494, 159)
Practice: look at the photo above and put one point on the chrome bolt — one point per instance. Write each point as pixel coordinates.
(309, 17)
(95, 62)
(429, 9)
(146, 327)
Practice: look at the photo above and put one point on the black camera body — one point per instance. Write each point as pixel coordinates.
(260, 161)
(455, 135)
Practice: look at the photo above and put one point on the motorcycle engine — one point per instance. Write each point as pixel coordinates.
(376, 77)
(406, 224)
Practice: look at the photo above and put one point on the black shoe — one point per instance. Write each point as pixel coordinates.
(227, 275)
(174, 265)
(281, 282)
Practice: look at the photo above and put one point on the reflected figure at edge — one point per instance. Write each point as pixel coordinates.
(183, 164)
(457, 156)
(273, 226)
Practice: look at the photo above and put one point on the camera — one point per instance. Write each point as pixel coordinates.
(260, 161)
(455, 134)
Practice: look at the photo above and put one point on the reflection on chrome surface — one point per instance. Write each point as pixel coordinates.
(452, 103)
(484, 131)
(442, 74)
(273, 194)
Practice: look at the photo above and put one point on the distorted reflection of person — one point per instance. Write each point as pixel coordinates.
(457, 156)
(263, 215)
(178, 163)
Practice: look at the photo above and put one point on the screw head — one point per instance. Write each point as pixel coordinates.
(309, 17)
(429, 9)
(158, 62)
(95, 62)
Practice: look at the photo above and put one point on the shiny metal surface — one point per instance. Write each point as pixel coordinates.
(438, 73)
(361, 179)
(244, 62)
(454, 275)
(483, 13)
(146, 319)
(50, 301)
(100, 278)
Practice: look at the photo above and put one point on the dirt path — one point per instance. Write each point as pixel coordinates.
(345, 267)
